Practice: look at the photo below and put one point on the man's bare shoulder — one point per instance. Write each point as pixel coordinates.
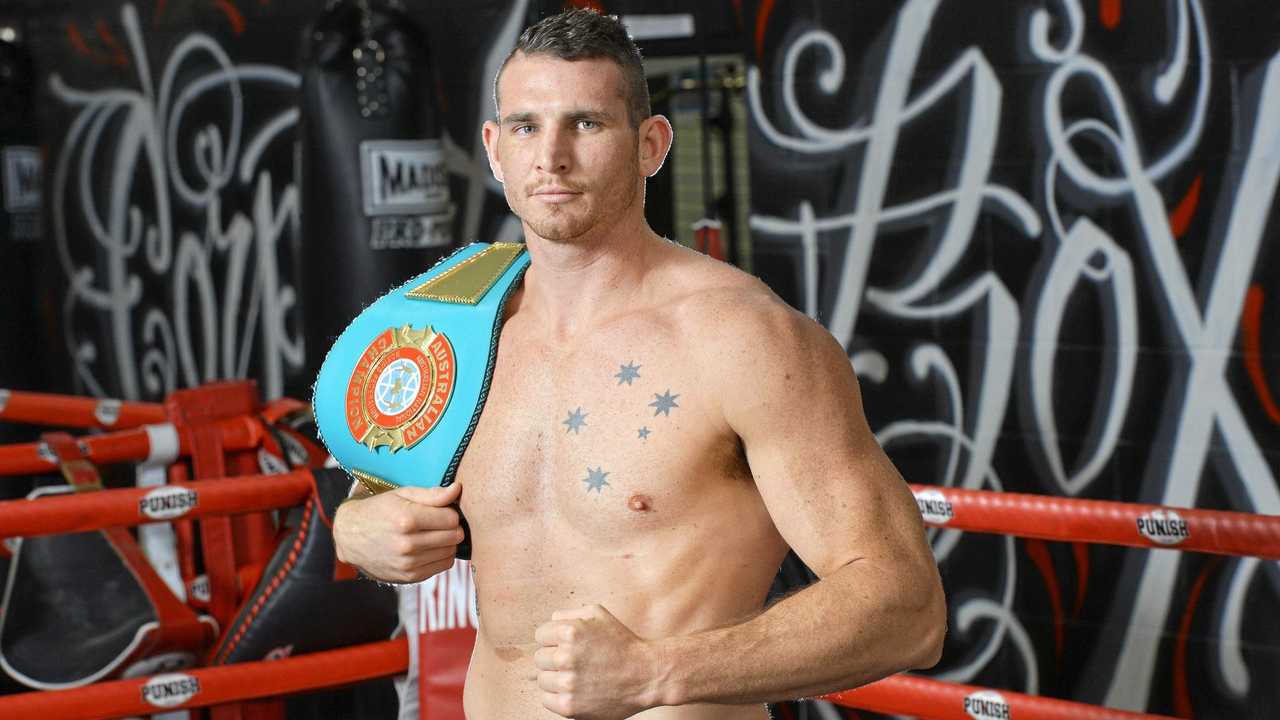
(729, 316)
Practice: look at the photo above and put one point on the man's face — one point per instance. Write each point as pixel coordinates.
(564, 147)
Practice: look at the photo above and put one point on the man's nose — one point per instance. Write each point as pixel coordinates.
(554, 153)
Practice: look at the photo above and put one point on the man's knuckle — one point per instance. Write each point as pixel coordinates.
(402, 522)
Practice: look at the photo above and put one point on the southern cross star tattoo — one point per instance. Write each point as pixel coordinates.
(644, 433)
(595, 479)
(663, 403)
(576, 421)
(627, 373)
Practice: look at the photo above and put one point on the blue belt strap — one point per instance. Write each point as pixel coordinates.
(401, 390)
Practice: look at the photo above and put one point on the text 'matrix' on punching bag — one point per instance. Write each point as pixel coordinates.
(375, 192)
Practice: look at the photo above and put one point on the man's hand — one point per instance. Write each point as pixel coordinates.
(592, 667)
(402, 535)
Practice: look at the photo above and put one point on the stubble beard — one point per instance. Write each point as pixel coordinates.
(561, 224)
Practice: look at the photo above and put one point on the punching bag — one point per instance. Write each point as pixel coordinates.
(376, 207)
(21, 232)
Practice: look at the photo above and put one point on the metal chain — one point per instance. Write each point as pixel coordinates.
(370, 59)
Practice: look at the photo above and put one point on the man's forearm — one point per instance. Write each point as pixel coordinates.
(854, 626)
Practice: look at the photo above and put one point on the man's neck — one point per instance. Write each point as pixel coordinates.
(572, 285)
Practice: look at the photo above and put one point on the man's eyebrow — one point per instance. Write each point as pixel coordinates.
(594, 115)
(600, 116)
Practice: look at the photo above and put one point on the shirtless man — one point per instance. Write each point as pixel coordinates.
(660, 429)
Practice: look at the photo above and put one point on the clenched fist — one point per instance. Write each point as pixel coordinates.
(592, 667)
(402, 535)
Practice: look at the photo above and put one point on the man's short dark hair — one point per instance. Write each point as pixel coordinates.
(583, 35)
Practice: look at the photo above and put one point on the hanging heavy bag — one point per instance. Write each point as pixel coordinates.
(21, 202)
(21, 240)
(376, 206)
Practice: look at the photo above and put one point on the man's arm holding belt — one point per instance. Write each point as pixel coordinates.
(400, 536)
(789, 393)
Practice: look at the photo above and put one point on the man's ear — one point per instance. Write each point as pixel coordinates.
(490, 133)
(655, 136)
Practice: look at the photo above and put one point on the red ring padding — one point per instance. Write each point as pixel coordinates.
(1100, 521)
(239, 433)
(937, 700)
(71, 411)
(228, 683)
(110, 508)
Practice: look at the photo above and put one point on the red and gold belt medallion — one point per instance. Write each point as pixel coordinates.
(400, 387)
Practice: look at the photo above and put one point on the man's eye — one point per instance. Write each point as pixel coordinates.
(522, 129)
(587, 124)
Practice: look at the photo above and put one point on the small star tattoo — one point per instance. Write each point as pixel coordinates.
(627, 373)
(644, 433)
(662, 404)
(595, 479)
(576, 421)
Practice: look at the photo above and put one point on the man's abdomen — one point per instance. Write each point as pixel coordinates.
(502, 684)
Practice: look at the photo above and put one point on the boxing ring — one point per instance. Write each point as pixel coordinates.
(131, 436)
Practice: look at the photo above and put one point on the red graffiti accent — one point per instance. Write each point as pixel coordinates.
(1181, 216)
(587, 5)
(81, 45)
(1110, 11)
(762, 22)
(77, 40)
(1039, 554)
(1081, 553)
(233, 15)
(1181, 694)
(1251, 338)
(118, 56)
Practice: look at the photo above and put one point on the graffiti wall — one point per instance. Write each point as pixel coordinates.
(1040, 227)
(170, 133)
(1042, 230)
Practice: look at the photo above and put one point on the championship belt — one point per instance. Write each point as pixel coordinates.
(402, 388)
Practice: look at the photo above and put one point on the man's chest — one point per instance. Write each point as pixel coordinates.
(608, 439)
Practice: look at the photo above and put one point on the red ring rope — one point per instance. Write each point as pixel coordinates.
(1101, 521)
(930, 699)
(227, 683)
(109, 508)
(902, 694)
(240, 433)
(71, 411)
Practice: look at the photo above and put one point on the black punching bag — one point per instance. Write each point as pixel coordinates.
(375, 194)
(21, 234)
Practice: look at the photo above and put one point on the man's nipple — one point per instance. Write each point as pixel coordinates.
(640, 503)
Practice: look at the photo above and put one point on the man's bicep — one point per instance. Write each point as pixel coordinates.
(831, 491)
